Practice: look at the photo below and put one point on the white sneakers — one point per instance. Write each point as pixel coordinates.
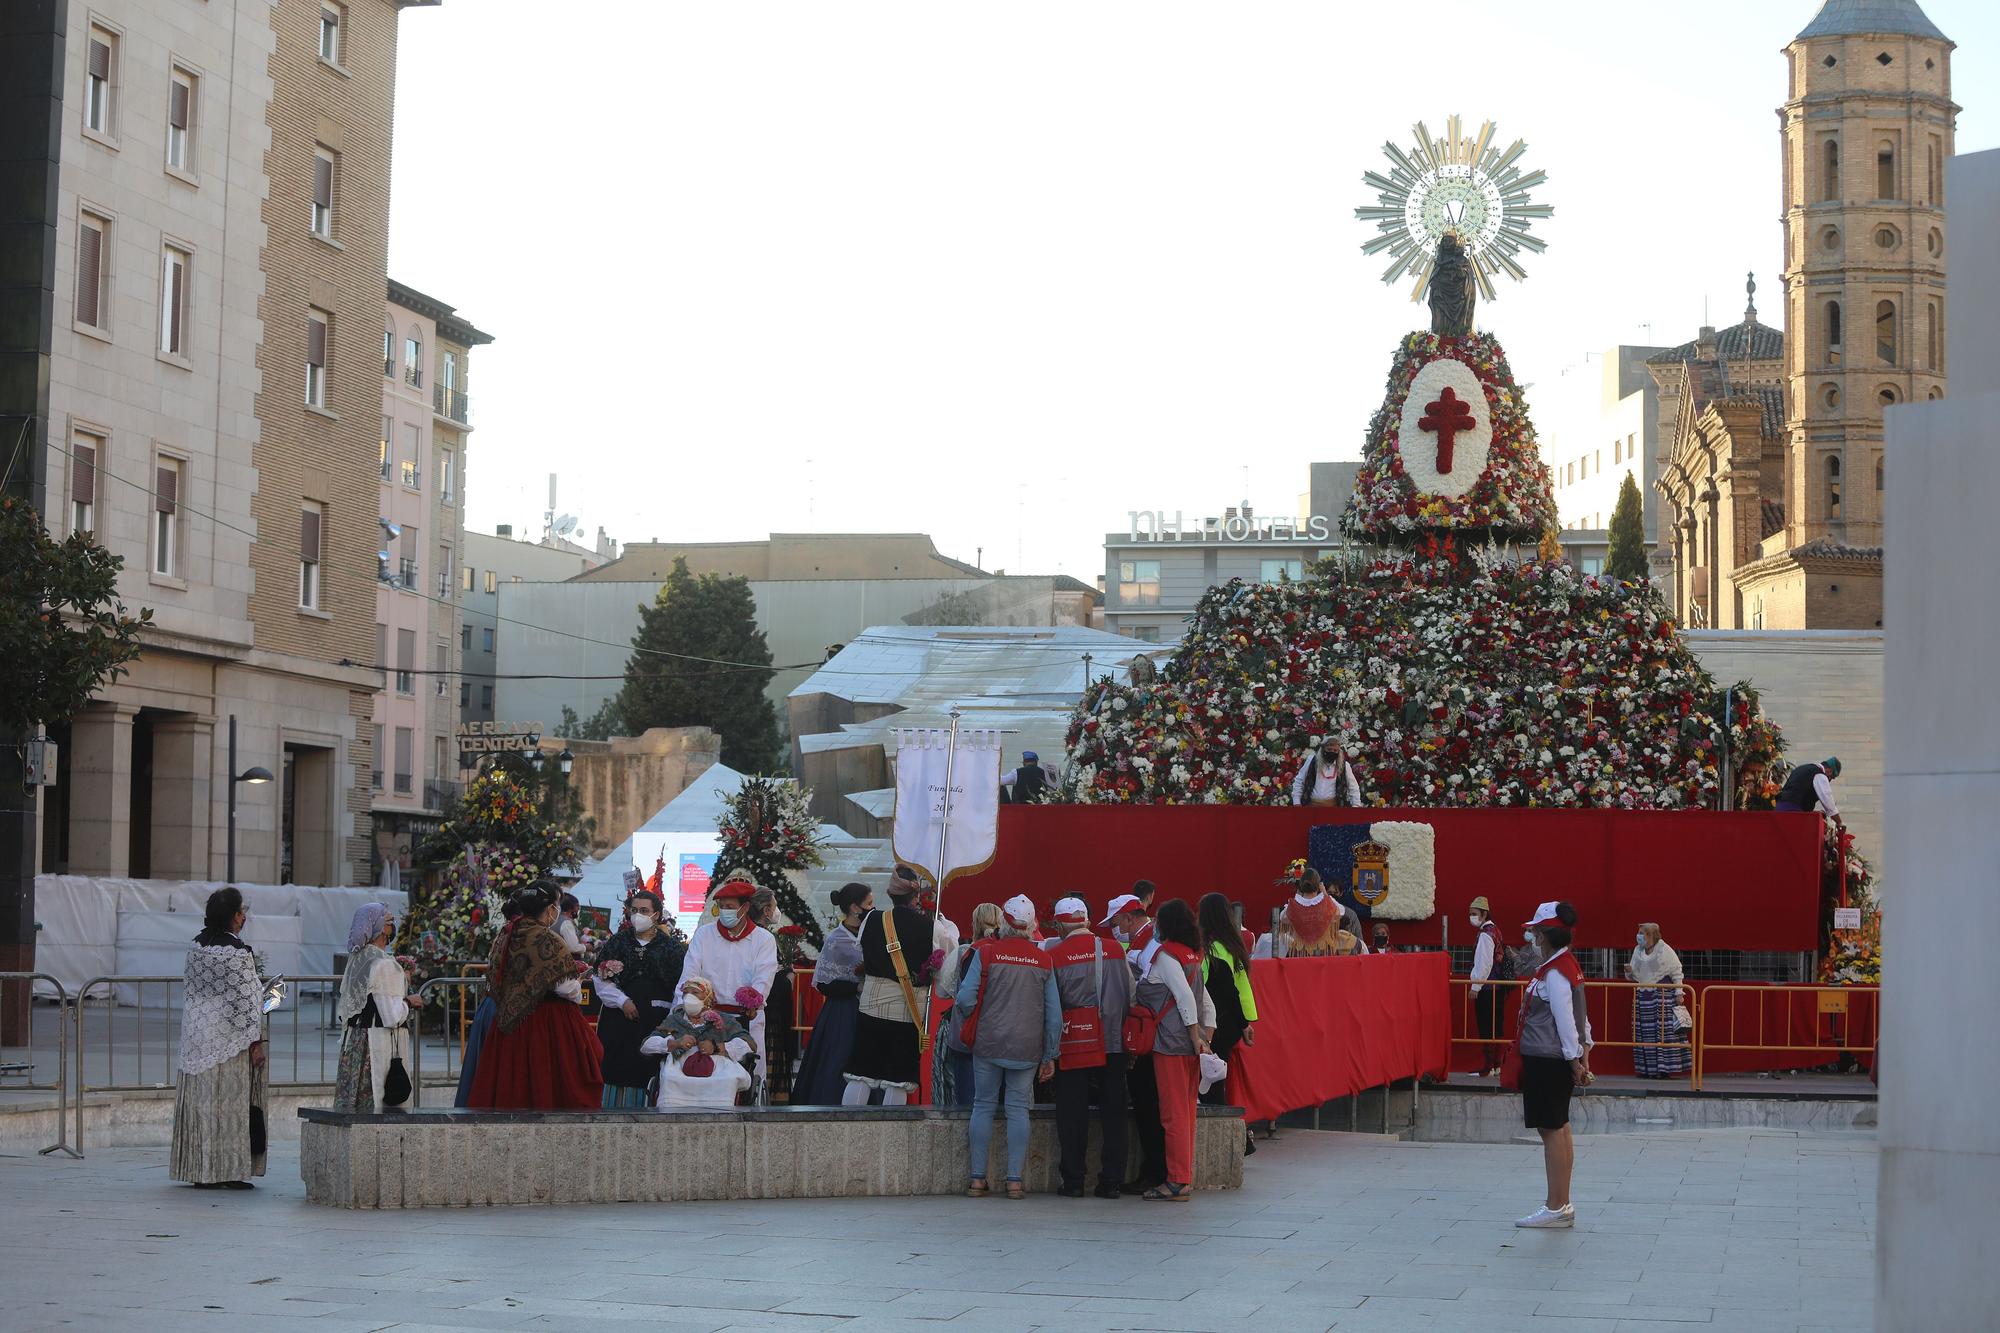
(1548, 1219)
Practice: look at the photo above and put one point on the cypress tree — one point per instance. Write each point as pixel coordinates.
(667, 684)
(1627, 556)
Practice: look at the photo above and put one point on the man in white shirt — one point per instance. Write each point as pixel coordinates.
(1489, 963)
(1326, 778)
(739, 958)
(1811, 785)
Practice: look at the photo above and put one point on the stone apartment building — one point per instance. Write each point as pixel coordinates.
(220, 236)
(421, 460)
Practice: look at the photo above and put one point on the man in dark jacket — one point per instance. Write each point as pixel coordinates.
(889, 1043)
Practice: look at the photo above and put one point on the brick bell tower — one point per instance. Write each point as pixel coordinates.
(1868, 124)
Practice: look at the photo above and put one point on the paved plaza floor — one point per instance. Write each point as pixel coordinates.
(1751, 1230)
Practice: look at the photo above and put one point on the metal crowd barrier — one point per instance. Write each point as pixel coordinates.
(1829, 1021)
(462, 997)
(1597, 1001)
(18, 989)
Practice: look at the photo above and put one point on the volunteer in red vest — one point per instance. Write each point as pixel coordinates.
(1555, 1058)
(1013, 1024)
(1489, 963)
(1095, 986)
(1131, 927)
(1173, 989)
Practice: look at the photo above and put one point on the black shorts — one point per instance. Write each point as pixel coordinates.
(1546, 1083)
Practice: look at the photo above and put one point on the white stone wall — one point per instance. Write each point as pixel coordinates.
(1824, 688)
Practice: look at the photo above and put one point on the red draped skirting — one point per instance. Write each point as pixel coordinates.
(552, 1062)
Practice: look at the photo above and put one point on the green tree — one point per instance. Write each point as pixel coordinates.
(1627, 557)
(64, 635)
(673, 678)
(601, 725)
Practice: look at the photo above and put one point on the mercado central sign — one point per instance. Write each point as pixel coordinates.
(1158, 526)
(498, 737)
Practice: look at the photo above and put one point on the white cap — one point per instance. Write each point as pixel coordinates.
(1072, 911)
(1124, 902)
(1020, 909)
(1546, 912)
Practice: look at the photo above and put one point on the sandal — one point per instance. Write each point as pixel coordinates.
(1016, 1190)
(1170, 1193)
(977, 1189)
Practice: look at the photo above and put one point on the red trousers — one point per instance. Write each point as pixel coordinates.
(1178, 1078)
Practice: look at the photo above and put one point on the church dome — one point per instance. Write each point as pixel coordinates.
(1852, 18)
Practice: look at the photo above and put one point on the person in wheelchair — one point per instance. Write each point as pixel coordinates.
(707, 1055)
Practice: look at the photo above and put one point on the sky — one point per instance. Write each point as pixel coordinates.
(1003, 273)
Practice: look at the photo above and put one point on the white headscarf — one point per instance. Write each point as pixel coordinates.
(367, 924)
(362, 955)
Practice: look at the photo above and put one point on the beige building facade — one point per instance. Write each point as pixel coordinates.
(222, 222)
(1783, 530)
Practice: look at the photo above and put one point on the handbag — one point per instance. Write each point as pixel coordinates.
(1083, 1027)
(395, 1083)
(1142, 1026)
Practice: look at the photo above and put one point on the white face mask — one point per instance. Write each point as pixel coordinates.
(641, 922)
(1528, 935)
(729, 916)
(692, 1004)
(1475, 922)
(1120, 934)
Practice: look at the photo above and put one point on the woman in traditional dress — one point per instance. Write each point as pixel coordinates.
(637, 971)
(219, 1095)
(374, 1011)
(837, 976)
(542, 1054)
(1658, 968)
(482, 1020)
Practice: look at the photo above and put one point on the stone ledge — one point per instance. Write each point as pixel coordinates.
(458, 1159)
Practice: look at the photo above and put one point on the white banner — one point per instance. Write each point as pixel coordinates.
(922, 807)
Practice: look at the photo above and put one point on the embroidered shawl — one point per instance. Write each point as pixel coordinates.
(529, 961)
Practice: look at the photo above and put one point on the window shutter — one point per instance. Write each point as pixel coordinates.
(89, 273)
(178, 271)
(381, 660)
(309, 536)
(83, 474)
(405, 743)
(315, 343)
(100, 60)
(323, 181)
(177, 105)
(409, 551)
(406, 650)
(166, 487)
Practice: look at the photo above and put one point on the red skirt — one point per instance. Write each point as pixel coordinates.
(552, 1062)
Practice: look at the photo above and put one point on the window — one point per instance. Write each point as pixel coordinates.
(330, 35)
(1887, 396)
(1146, 633)
(406, 661)
(387, 430)
(492, 581)
(413, 439)
(406, 744)
(376, 778)
(99, 93)
(1933, 338)
(486, 639)
(166, 516)
(388, 352)
(1878, 474)
(1139, 582)
(1833, 331)
(319, 339)
(85, 451)
(444, 572)
(1757, 613)
(465, 694)
(441, 663)
(413, 360)
(465, 582)
(444, 475)
(1934, 188)
(320, 219)
(407, 566)
(1829, 191)
(1885, 171)
(180, 120)
(486, 698)
(174, 265)
(93, 271)
(465, 638)
(1885, 332)
(1886, 238)
(438, 759)
(312, 518)
(1278, 571)
(1591, 564)
(1833, 486)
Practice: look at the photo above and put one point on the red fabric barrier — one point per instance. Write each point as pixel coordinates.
(1328, 1027)
(1713, 880)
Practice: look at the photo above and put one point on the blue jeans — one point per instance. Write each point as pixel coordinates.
(988, 1078)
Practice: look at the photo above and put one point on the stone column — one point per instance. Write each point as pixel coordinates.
(183, 775)
(100, 790)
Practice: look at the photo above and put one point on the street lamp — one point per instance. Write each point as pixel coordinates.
(256, 777)
(566, 760)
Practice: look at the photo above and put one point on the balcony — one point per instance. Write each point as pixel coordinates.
(441, 795)
(451, 405)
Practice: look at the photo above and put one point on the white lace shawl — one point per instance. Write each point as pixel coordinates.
(223, 1011)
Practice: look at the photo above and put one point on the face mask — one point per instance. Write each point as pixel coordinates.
(691, 1004)
(1475, 922)
(641, 922)
(730, 917)
(1528, 936)
(1381, 941)
(1120, 934)
(1641, 939)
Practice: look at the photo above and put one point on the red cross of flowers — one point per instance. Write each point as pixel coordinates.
(1446, 417)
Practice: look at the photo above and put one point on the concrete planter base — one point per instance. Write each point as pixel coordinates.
(459, 1159)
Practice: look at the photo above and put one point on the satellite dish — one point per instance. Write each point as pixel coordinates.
(566, 525)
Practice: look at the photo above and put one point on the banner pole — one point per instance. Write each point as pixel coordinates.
(944, 824)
